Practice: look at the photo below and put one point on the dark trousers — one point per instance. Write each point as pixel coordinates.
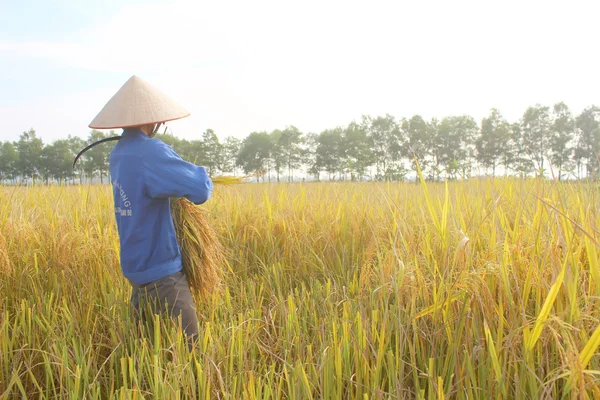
(169, 296)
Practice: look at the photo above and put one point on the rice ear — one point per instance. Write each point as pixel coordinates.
(5, 266)
(227, 180)
(202, 254)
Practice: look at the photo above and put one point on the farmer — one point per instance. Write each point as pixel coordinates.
(145, 173)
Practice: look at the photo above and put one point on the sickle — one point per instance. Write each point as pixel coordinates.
(92, 145)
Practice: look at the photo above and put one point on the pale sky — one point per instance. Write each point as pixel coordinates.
(242, 66)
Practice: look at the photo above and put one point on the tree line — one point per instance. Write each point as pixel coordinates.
(546, 140)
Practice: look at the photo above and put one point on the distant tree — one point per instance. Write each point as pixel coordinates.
(495, 133)
(329, 151)
(76, 144)
(30, 149)
(276, 158)
(588, 138)
(207, 151)
(562, 132)
(231, 148)
(213, 151)
(417, 145)
(395, 169)
(176, 144)
(9, 159)
(310, 155)
(358, 151)
(254, 153)
(384, 137)
(374, 146)
(456, 136)
(96, 160)
(288, 147)
(58, 160)
(286, 150)
(515, 156)
(466, 130)
(46, 162)
(579, 151)
(435, 146)
(535, 130)
(193, 151)
(64, 161)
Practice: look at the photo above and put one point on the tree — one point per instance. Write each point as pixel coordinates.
(193, 151)
(181, 147)
(9, 159)
(213, 152)
(97, 159)
(374, 146)
(76, 144)
(456, 136)
(588, 137)
(289, 149)
(563, 128)
(384, 137)
(358, 150)
(231, 148)
(466, 130)
(417, 146)
(276, 158)
(435, 144)
(395, 169)
(254, 153)
(516, 156)
(310, 155)
(58, 160)
(329, 151)
(47, 160)
(30, 149)
(509, 151)
(490, 145)
(536, 134)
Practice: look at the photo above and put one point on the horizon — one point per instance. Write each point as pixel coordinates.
(317, 66)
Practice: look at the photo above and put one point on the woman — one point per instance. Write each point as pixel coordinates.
(145, 173)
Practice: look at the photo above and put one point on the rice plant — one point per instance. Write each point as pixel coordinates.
(466, 290)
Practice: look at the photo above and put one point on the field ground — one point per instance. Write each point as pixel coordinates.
(481, 289)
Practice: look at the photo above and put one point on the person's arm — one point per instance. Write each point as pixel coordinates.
(168, 175)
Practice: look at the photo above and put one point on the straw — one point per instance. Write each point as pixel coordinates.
(202, 254)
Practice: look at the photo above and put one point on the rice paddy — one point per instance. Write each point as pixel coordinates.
(479, 289)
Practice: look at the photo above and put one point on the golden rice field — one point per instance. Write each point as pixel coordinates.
(474, 290)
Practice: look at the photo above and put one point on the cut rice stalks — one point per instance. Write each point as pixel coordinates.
(203, 255)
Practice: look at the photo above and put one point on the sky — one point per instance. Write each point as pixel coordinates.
(244, 66)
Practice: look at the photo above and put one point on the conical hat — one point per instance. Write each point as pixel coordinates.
(137, 103)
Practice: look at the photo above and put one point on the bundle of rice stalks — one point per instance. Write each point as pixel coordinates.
(202, 253)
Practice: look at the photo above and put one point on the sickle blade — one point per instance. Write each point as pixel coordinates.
(92, 145)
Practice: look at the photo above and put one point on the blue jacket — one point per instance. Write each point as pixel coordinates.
(145, 173)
